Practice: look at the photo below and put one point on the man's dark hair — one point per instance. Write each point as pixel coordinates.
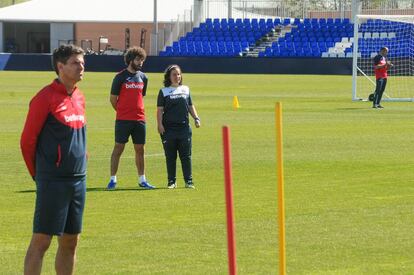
(167, 74)
(383, 49)
(63, 53)
(134, 52)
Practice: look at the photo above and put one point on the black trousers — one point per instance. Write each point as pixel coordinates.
(379, 90)
(173, 141)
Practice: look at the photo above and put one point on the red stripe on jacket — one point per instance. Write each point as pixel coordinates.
(52, 99)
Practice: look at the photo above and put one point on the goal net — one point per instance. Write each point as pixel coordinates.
(371, 33)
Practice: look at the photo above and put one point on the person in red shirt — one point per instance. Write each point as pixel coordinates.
(127, 98)
(53, 145)
(381, 66)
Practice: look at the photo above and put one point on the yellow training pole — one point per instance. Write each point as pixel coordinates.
(280, 188)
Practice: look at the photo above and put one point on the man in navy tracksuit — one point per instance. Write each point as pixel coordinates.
(53, 145)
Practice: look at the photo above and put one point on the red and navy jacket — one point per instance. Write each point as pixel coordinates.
(53, 141)
(380, 72)
(130, 89)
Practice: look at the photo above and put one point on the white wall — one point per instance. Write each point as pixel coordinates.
(60, 31)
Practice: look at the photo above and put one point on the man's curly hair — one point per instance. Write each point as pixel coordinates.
(134, 52)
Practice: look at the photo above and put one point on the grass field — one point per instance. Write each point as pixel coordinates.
(348, 169)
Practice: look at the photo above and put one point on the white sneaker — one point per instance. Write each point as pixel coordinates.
(190, 185)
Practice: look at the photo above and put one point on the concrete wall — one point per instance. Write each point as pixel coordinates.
(237, 65)
(234, 65)
(60, 31)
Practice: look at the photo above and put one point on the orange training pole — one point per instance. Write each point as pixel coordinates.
(280, 189)
(228, 182)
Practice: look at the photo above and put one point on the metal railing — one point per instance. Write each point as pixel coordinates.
(172, 31)
(185, 22)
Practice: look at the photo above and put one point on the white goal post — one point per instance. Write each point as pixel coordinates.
(371, 32)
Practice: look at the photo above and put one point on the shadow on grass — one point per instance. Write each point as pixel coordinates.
(352, 109)
(103, 189)
(27, 191)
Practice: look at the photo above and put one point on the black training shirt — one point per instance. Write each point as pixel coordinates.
(176, 102)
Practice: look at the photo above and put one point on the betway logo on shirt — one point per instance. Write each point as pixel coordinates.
(134, 85)
(74, 117)
(178, 95)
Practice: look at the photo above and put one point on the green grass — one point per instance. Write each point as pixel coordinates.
(349, 185)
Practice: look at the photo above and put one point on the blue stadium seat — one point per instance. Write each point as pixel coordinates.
(228, 37)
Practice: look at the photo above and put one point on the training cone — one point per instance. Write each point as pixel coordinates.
(236, 104)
